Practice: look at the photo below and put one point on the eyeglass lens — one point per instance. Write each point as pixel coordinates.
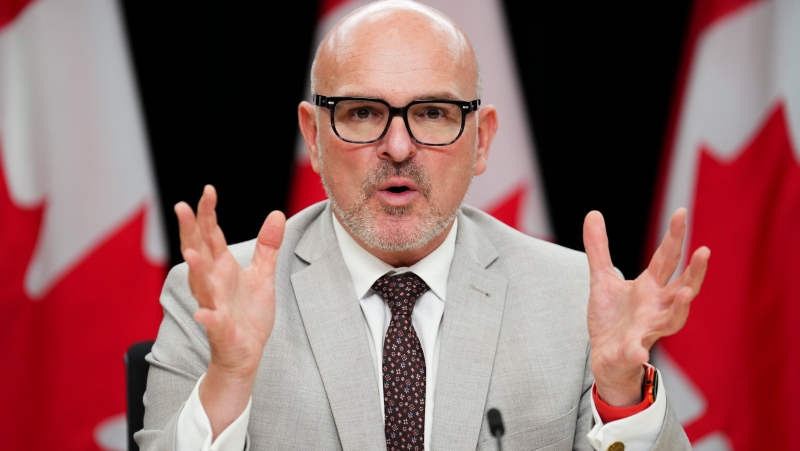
(366, 120)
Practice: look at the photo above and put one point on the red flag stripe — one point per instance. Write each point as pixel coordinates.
(306, 188)
(9, 9)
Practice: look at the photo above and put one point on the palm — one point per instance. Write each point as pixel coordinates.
(621, 312)
(241, 311)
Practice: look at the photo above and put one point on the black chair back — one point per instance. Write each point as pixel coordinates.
(136, 381)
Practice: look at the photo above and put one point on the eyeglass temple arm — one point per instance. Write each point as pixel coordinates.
(320, 100)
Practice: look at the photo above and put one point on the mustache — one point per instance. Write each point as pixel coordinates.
(409, 169)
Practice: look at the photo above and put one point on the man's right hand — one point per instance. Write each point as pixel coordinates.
(237, 305)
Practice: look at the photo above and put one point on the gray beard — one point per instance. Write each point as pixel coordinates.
(357, 219)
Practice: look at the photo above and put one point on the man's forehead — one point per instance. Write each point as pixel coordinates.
(399, 89)
(380, 94)
(410, 60)
(401, 99)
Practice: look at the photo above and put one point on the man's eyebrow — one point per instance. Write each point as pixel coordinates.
(440, 96)
(443, 95)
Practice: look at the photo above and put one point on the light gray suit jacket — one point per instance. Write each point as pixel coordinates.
(514, 338)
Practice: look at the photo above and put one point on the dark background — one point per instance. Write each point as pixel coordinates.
(220, 83)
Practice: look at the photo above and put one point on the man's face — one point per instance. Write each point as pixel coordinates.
(396, 195)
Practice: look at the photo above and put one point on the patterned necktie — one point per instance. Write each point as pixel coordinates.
(403, 364)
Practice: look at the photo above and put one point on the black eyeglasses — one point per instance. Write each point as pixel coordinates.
(363, 120)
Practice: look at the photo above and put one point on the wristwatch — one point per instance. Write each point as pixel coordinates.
(650, 384)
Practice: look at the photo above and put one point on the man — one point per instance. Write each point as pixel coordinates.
(285, 342)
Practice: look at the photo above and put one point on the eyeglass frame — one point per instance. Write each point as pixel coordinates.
(330, 103)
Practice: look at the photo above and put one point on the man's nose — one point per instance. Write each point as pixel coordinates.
(397, 144)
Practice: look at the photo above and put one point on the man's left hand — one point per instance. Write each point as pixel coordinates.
(626, 317)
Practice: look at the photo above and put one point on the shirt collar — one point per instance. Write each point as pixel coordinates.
(365, 268)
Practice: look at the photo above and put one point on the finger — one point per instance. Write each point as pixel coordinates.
(207, 221)
(694, 274)
(269, 241)
(211, 320)
(189, 236)
(673, 318)
(668, 255)
(217, 322)
(199, 283)
(595, 241)
(677, 314)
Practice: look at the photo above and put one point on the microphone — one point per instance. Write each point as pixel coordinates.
(496, 426)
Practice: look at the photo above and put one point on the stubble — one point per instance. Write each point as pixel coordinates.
(363, 224)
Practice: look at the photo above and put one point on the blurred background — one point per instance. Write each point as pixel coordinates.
(111, 112)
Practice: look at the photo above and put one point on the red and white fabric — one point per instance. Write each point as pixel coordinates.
(733, 159)
(511, 188)
(82, 255)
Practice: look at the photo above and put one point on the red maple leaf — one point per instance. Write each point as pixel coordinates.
(509, 208)
(741, 345)
(63, 369)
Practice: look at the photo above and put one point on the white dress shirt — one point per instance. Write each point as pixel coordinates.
(639, 431)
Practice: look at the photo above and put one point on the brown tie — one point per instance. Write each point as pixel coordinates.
(403, 364)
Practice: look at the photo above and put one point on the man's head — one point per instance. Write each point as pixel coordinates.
(397, 196)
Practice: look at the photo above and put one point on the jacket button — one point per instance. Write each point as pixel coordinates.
(616, 446)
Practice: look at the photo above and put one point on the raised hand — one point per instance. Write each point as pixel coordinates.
(237, 305)
(626, 317)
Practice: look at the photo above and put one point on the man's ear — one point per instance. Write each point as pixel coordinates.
(487, 127)
(306, 118)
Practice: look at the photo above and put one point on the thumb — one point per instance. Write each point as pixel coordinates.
(269, 241)
(595, 241)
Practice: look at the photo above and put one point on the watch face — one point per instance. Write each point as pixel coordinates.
(650, 384)
(655, 384)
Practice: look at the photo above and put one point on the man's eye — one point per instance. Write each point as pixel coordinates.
(362, 113)
(433, 113)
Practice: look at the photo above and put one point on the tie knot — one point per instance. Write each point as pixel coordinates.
(400, 291)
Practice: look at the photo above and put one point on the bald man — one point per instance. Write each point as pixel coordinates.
(290, 341)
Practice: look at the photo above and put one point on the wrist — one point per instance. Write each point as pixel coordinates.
(224, 396)
(236, 379)
(236, 363)
(624, 390)
(609, 413)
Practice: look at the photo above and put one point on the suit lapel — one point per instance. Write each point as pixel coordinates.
(335, 326)
(470, 330)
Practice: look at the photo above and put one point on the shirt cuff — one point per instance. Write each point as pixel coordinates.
(609, 413)
(639, 430)
(194, 428)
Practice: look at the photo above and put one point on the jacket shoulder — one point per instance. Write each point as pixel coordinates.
(515, 247)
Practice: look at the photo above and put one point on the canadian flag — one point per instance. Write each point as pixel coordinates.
(82, 255)
(511, 188)
(734, 161)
